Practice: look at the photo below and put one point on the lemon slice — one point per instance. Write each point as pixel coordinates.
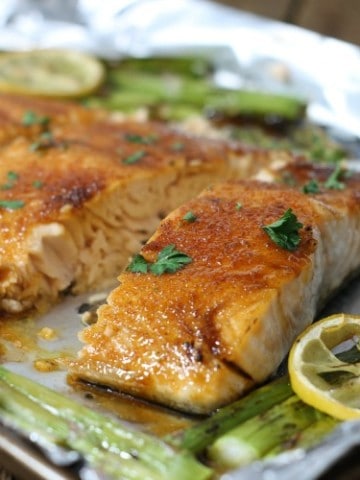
(324, 366)
(50, 73)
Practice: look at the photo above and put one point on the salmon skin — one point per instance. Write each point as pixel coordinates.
(202, 336)
(81, 191)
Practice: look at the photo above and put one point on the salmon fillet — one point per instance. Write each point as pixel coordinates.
(200, 337)
(80, 193)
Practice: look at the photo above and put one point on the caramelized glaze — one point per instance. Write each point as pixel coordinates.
(200, 337)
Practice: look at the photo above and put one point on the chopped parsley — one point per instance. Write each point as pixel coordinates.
(334, 182)
(288, 179)
(285, 231)
(142, 140)
(169, 260)
(311, 187)
(177, 146)
(190, 217)
(138, 264)
(37, 184)
(12, 178)
(45, 140)
(31, 118)
(12, 204)
(238, 206)
(134, 158)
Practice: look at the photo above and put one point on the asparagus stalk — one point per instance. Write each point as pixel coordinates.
(188, 66)
(257, 436)
(310, 436)
(30, 417)
(22, 414)
(180, 81)
(120, 451)
(255, 104)
(198, 437)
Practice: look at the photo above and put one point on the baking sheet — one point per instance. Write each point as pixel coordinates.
(247, 50)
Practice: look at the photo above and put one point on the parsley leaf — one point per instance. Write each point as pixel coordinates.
(238, 206)
(135, 157)
(37, 184)
(177, 146)
(31, 118)
(44, 141)
(142, 140)
(138, 264)
(169, 260)
(12, 204)
(12, 177)
(190, 217)
(285, 231)
(333, 182)
(311, 187)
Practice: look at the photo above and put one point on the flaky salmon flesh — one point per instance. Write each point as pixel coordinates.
(205, 334)
(80, 192)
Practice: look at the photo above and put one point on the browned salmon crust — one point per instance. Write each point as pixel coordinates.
(199, 338)
(89, 191)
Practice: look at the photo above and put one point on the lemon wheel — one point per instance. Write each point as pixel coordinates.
(50, 73)
(324, 366)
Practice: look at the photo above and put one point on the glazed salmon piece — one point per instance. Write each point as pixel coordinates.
(200, 337)
(80, 194)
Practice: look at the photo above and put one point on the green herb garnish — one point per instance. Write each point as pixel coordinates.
(135, 157)
(142, 140)
(285, 231)
(169, 260)
(138, 264)
(37, 184)
(46, 140)
(12, 204)
(189, 217)
(288, 179)
(31, 118)
(12, 177)
(177, 146)
(238, 206)
(311, 187)
(333, 182)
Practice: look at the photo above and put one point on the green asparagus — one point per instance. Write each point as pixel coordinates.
(174, 87)
(198, 437)
(308, 437)
(120, 451)
(257, 436)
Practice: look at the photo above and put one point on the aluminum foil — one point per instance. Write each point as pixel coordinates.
(249, 51)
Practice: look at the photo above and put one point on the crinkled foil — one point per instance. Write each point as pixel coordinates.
(249, 51)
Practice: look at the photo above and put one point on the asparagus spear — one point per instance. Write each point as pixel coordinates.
(198, 437)
(310, 436)
(255, 104)
(24, 415)
(121, 452)
(188, 66)
(182, 81)
(257, 436)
